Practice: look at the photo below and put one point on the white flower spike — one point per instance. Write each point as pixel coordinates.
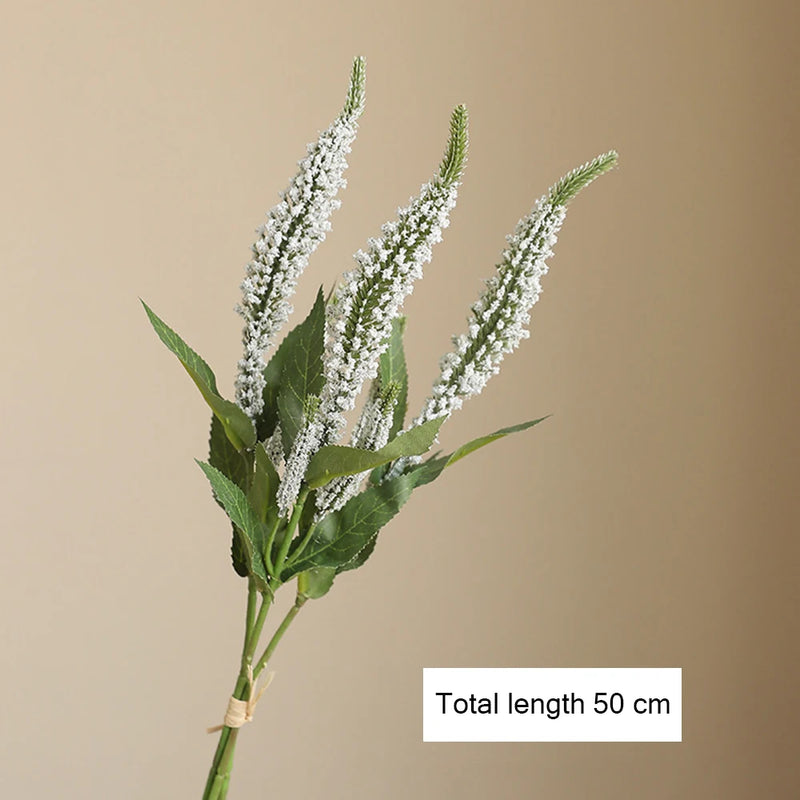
(293, 230)
(500, 317)
(360, 316)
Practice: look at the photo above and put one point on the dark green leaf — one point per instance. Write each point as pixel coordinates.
(232, 463)
(334, 461)
(239, 557)
(265, 485)
(392, 369)
(309, 512)
(238, 466)
(268, 418)
(424, 473)
(341, 536)
(302, 374)
(238, 509)
(315, 582)
(238, 427)
(347, 538)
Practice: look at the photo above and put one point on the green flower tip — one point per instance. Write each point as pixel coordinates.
(355, 94)
(388, 394)
(455, 155)
(582, 176)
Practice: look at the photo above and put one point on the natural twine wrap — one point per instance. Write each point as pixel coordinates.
(241, 711)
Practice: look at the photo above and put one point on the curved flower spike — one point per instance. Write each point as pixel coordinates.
(500, 316)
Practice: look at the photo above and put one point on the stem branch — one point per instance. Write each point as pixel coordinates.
(282, 628)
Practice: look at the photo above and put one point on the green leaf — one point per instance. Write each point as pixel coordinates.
(425, 473)
(264, 487)
(232, 463)
(237, 425)
(247, 523)
(302, 374)
(268, 418)
(315, 582)
(360, 558)
(238, 466)
(476, 444)
(347, 538)
(392, 369)
(239, 559)
(334, 461)
(339, 537)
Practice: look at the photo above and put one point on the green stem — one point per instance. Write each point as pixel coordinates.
(255, 634)
(287, 538)
(268, 546)
(278, 635)
(223, 777)
(252, 599)
(301, 546)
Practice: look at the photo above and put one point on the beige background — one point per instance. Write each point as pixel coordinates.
(652, 521)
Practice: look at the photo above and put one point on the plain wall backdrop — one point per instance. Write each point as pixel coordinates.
(651, 521)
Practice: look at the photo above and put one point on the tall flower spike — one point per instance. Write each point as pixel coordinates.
(370, 433)
(499, 318)
(293, 230)
(360, 316)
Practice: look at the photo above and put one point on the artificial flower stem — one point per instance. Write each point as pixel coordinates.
(278, 635)
(268, 547)
(298, 551)
(289, 535)
(223, 757)
(223, 777)
(252, 600)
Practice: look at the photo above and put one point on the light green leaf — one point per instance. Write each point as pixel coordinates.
(247, 523)
(315, 582)
(334, 461)
(341, 536)
(476, 444)
(238, 427)
(302, 374)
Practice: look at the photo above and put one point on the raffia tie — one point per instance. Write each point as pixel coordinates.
(241, 711)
